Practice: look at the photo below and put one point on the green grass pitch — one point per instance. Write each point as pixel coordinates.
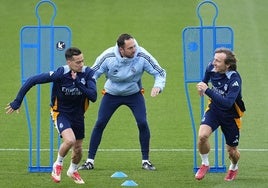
(157, 25)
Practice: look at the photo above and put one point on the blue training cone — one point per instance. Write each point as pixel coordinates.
(119, 175)
(129, 183)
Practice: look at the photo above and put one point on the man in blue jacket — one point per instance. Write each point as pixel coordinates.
(225, 109)
(123, 66)
(73, 88)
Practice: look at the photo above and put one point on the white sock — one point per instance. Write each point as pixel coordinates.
(204, 158)
(233, 166)
(143, 161)
(59, 160)
(73, 167)
(90, 160)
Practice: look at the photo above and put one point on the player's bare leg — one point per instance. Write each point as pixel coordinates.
(234, 156)
(204, 148)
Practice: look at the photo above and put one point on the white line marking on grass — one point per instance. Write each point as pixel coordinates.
(134, 150)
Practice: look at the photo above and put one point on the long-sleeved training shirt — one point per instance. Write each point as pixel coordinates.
(68, 95)
(225, 91)
(124, 74)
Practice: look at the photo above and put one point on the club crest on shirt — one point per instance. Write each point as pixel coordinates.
(83, 81)
(133, 69)
(225, 87)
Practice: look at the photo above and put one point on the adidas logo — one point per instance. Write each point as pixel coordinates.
(236, 141)
(235, 83)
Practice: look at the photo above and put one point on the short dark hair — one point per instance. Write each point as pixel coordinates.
(121, 39)
(230, 58)
(70, 52)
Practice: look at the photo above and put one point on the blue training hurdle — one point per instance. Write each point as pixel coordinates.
(42, 49)
(199, 43)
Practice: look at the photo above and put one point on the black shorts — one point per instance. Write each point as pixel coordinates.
(228, 125)
(63, 121)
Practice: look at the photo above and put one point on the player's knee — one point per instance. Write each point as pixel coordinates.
(203, 138)
(230, 150)
(100, 125)
(233, 152)
(69, 142)
(142, 124)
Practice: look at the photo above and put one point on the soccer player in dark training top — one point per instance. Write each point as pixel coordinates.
(73, 88)
(225, 109)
